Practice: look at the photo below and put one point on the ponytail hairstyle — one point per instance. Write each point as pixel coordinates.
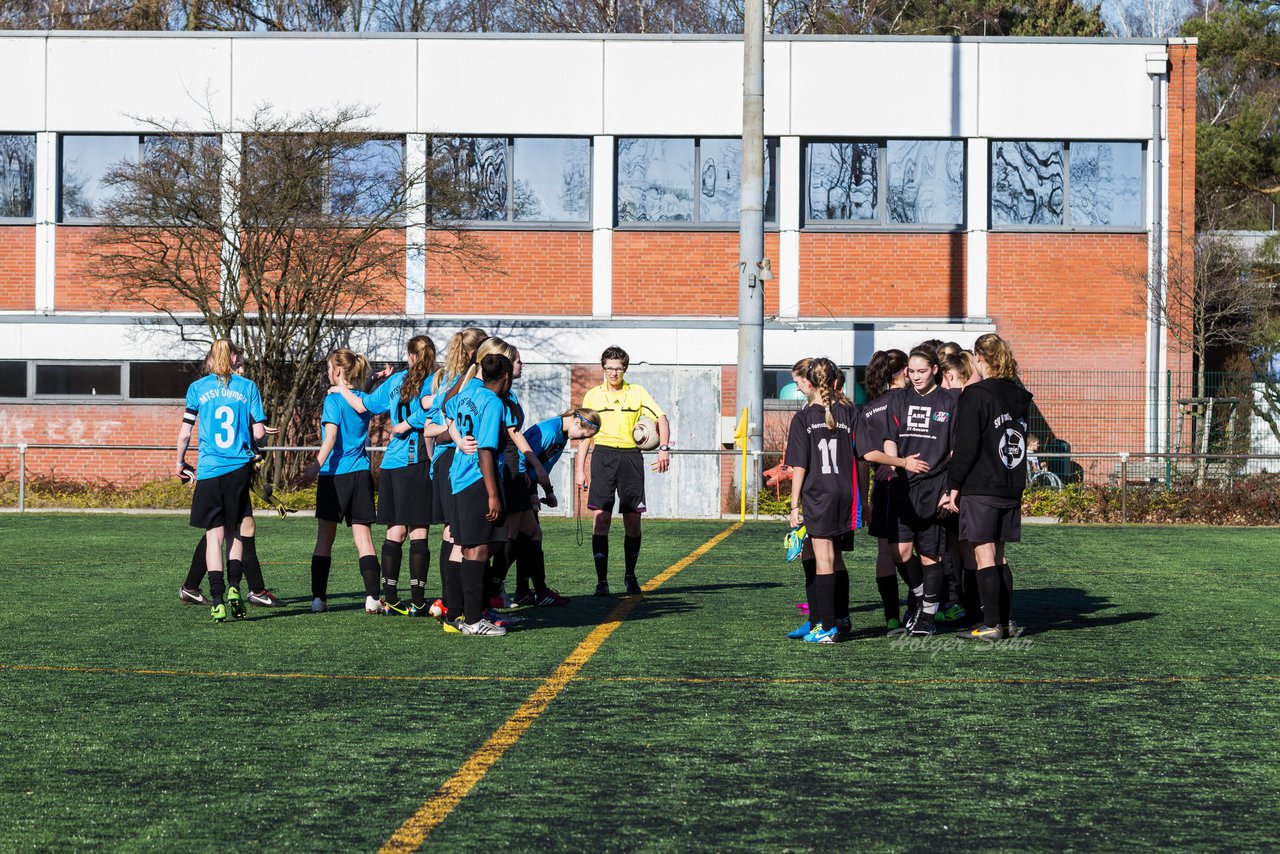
(823, 375)
(995, 351)
(459, 355)
(423, 350)
(948, 348)
(221, 359)
(960, 362)
(930, 355)
(355, 367)
(588, 418)
(883, 367)
(802, 367)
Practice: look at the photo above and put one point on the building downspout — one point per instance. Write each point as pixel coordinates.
(1158, 69)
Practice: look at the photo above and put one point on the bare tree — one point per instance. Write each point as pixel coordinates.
(280, 243)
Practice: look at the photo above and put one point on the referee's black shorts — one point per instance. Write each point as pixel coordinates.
(620, 471)
(404, 495)
(222, 501)
(346, 498)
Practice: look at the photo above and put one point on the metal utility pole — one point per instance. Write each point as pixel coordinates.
(751, 235)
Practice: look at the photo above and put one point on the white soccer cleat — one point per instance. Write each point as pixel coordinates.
(318, 605)
(372, 606)
(483, 628)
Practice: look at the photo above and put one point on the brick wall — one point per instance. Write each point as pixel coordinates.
(682, 274)
(1181, 175)
(18, 267)
(526, 272)
(91, 424)
(1073, 304)
(882, 275)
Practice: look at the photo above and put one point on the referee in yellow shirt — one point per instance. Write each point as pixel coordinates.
(617, 465)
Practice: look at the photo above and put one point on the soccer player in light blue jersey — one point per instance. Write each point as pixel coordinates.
(344, 490)
(227, 409)
(404, 482)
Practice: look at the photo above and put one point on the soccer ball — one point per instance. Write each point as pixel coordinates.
(438, 610)
(645, 434)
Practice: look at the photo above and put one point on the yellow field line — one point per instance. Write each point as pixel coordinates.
(411, 834)
(664, 680)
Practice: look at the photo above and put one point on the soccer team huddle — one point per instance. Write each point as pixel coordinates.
(459, 456)
(946, 432)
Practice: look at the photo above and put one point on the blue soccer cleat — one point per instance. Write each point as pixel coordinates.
(821, 635)
(798, 634)
(794, 541)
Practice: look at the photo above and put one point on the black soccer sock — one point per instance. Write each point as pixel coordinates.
(446, 549)
(842, 596)
(472, 578)
(631, 553)
(600, 551)
(537, 567)
(888, 587)
(392, 553)
(810, 567)
(216, 587)
(320, 565)
(522, 558)
(369, 573)
(933, 575)
(969, 597)
(196, 573)
(491, 581)
(824, 594)
(501, 556)
(419, 563)
(913, 575)
(235, 571)
(451, 587)
(252, 568)
(989, 592)
(811, 596)
(1006, 594)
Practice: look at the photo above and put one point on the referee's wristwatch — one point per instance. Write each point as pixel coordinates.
(664, 448)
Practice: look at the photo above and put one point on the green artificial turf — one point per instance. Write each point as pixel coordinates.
(1138, 710)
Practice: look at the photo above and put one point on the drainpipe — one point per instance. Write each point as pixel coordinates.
(1158, 69)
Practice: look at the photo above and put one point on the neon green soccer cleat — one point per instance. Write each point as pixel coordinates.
(234, 604)
(218, 613)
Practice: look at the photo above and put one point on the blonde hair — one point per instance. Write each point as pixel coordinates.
(823, 375)
(355, 367)
(960, 362)
(459, 354)
(490, 346)
(589, 417)
(221, 359)
(423, 350)
(948, 349)
(802, 367)
(995, 351)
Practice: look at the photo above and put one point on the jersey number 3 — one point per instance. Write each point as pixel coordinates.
(226, 418)
(830, 465)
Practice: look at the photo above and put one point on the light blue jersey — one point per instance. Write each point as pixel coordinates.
(224, 416)
(435, 415)
(348, 452)
(547, 439)
(479, 413)
(403, 450)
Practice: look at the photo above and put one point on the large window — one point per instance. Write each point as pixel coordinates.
(144, 381)
(689, 181)
(82, 380)
(86, 162)
(13, 379)
(162, 380)
(513, 179)
(17, 176)
(906, 182)
(1067, 184)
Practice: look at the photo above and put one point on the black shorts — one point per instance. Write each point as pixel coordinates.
(441, 491)
(515, 491)
(222, 501)
(404, 495)
(883, 523)
(346, 498)
(617, 470)
(915, 504)
(827, 516)
(988, 519)
(468, 523)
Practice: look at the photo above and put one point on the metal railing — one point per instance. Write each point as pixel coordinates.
(1128, 470)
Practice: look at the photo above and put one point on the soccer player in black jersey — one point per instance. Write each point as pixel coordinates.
(919, 427)
(988, 476)
(886, 376)
(820, 452)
